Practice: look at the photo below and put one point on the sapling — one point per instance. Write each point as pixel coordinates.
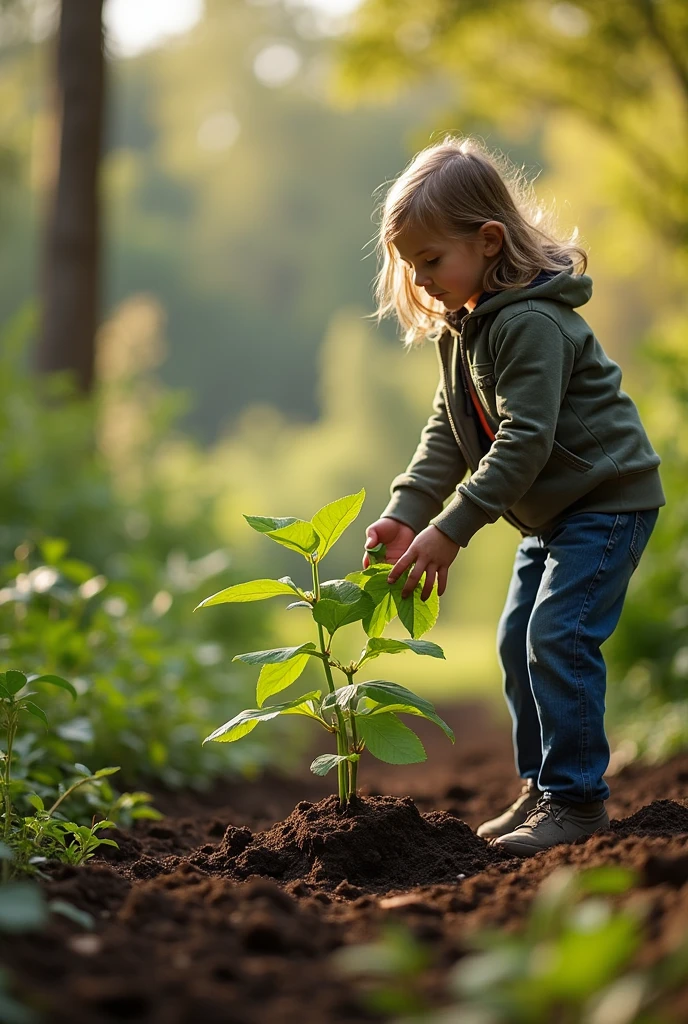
(83, 840)
(360, 714)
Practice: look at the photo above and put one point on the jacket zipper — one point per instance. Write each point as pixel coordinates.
(507, 514)
(449, 415)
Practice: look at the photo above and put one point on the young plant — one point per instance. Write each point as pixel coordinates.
(11, 706)
(358, 714)
(24, 837)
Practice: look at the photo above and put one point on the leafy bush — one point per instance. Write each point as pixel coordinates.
(97, 582)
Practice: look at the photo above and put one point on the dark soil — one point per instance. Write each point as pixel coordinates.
(229, 909)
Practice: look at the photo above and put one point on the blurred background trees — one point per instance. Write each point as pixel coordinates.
(233, 369)
(71, 286)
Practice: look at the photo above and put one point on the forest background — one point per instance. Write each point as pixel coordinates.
(237, 370)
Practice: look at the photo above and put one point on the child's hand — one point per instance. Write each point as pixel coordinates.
(433, 552)
(394, 535)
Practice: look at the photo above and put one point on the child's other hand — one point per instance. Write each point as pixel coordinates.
(394, 535)
(433, 552)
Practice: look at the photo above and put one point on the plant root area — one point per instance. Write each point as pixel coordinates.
(228, 910)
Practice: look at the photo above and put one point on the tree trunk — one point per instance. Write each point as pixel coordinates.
(71, 283)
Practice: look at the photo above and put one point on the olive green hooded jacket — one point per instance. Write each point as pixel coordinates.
(567, 438)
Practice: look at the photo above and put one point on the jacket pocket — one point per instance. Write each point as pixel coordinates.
(575, 461)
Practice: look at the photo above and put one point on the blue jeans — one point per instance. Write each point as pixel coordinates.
(564, 600)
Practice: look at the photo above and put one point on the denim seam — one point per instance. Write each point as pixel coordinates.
(580, 685)
(634, 545)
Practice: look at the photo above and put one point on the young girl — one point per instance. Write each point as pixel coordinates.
(531, 405)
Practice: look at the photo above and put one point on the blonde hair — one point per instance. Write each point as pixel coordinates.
(450, 189)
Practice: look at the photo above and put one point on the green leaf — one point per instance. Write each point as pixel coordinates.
(416, 615)
(325, 762)
(295, 534)
(255, 590)
(53, 548)
(383, 691)
(381, 593)
(102, 772)
(340, 603)
(309, 709)
(72, 913)
(388, 697)
(290, 583)
(607, 878)
(381, 645)
(361, 576)
(22, 907)
(246, 721)
(584, 961)
(14, 681)
(82, 769)
(36, 801)
(275, 678)
(54, 681)
(341, 697)
(409, 709)
(377, 554)
(34, 709)
(275, 655)
(390, 740)
(331, 520)
(76, 570)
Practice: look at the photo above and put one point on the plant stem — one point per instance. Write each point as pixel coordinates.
(342, 739)
(87, 778)
(353, 765)
(11, 728)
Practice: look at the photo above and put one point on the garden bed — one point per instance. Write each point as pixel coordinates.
(229, 909)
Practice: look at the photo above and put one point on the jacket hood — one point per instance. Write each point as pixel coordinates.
(568, 288)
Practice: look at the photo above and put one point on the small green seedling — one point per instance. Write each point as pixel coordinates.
(359, 714)
(11, 706)
(41, 829)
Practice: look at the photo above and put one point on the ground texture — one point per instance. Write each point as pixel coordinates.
(229, 909)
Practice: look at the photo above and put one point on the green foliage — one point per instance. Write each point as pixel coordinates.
(618, 67)
(361, 715)
(97, 579)
(57, 838)
(572, 961)
(648, 653)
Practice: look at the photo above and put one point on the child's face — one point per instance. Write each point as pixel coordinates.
(448, 269)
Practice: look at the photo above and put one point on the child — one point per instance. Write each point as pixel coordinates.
(529, 402)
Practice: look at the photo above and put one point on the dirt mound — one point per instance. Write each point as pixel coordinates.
(379, 844)
(660, 818)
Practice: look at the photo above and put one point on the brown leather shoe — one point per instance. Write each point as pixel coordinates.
(553, 822)
(514, 815)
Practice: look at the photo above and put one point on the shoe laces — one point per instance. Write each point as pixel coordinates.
(544, 808)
